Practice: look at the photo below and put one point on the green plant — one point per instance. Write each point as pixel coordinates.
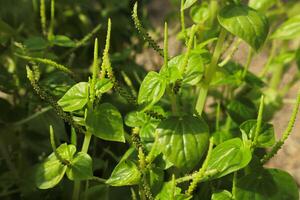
(179, 147)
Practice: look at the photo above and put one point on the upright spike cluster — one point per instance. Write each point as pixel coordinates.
(43, 16)
(286, 133)
(144, 33)
(95, 72)
(51, 27)
(49, 99)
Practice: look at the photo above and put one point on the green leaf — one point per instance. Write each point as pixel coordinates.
(155, 177)
(75, 98)
(36, 43)
(80, 167)
(105, 122)
(246, 23)
(136, 119)
(152, 88)
(103, 85)
(271, 184)
(241, 110)
(183, 140)
(170, 191)
(125, 173)
(222, 195)
(266, 136)
(261, 5)
(229, 157)
(188, 3)
(288, 30)
(51, 171)
(193, 73)
(62, 40)
(200, 14)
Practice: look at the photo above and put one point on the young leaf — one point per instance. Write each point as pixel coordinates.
(80, 167)
(183, 140)
(261, 5)
(51, 171)
(170, 191)
(125, 173)
(188, 3)
(271, 184)
(105, 122)
(103, 85)
(152, 88)
(288, 30)
(229, 157)
(200, 14)
(62, 40)
(222, 195)
(246, 23)
(75, 98)
(266, 136)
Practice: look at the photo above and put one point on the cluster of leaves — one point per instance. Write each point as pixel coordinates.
(178, 149)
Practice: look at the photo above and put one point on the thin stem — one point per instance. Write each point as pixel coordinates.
(270, 58)
(234, 180)
(248, 62)
(218, 116)
(259, 121)
(182, 21)
(188, 51)
(210, 72)
(166, 45)
(201, 172)
(51, 28)
(231, 53)
(286, 133)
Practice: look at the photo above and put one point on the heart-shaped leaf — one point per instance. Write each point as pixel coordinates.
(80, 167)
(105, 122)
(222, 195)
(229, 157)
(183, 140)
(152, 88)
(62, 40)
(246, 23)
(75, 98)
(51, 171)
(288, 30)
(125, 173)
(261, 5)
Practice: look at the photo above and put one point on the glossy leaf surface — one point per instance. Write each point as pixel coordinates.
(246, 23)
(75, 98)
(125, 173)
(183, 140)
(105, 122)
(228, 157)
(80, 167)
(266, 136)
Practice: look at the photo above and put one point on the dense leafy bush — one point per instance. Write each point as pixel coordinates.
(198, 128)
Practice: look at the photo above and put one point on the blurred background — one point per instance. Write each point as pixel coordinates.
(25, 118)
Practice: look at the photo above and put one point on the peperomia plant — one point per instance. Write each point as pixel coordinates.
(179, 147)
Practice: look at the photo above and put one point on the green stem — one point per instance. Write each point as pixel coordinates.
(259, 121)
(218, 116)
(182, 19)
(276, 76)
(51, 28)
(248, 62)
(231, 53)
(271, 56)
(210, 72)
